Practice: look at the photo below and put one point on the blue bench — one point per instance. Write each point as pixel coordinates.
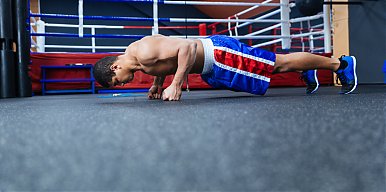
(44, 80)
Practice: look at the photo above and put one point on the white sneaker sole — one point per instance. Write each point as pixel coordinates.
(317, 83)
(355, 75)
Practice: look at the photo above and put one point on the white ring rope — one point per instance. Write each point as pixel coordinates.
(283, 22)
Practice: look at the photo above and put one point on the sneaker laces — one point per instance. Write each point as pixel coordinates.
(342, 78)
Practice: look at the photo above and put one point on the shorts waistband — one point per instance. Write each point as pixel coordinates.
(208, 55)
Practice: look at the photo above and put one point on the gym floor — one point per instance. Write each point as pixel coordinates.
(209, 141)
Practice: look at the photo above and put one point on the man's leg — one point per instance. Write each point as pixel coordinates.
(344, 67)
(307, 63)
(304, 61)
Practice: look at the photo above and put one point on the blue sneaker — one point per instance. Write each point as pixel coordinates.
(347, 75)
(311, 81)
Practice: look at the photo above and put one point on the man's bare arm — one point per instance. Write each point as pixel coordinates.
(153, 49)
(186, 59)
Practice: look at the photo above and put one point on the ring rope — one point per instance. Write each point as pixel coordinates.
(233, 19)
(193, 3)
(198, 20)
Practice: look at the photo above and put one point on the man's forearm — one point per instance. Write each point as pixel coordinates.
(186, 59)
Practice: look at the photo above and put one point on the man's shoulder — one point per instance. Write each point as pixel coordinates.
(146, 49)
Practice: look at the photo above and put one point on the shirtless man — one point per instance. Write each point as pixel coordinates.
(222, 61)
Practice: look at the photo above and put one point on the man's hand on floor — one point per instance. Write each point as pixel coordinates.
(172, 93)
(155, 92)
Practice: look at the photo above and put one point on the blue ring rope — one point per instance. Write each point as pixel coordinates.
(127, 1)
(89, 35)
(62, 16)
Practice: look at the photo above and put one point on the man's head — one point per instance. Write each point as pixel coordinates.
(111, 70)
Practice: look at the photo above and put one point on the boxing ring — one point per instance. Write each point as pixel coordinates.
(276, 31)
(211, 140)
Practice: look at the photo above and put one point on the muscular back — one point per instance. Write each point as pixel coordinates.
(158, 55)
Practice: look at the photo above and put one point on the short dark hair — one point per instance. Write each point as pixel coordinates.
(102, 72)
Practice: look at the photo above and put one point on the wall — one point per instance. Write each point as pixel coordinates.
(367, 34)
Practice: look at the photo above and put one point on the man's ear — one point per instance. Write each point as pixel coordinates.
(114, 67)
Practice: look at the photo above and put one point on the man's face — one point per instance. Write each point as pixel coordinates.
(121, 77)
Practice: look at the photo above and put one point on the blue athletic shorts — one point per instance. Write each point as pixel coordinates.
(230, 64)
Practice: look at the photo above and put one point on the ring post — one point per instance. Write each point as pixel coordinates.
(237, 25)
(327, 29)
(23, 81)
(311, 37)
(40, 40)
(285, 26)
(93, 39)
(301, 38)
(80, 13)
(202, 29)
(155, 17)
(230, 27)
(7, 65)
(311, 42)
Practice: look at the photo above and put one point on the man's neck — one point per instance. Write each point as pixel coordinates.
(129, 62)
(130, 55)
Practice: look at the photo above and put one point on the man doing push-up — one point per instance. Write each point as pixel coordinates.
(222, 61)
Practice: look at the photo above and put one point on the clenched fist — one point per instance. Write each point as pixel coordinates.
(155, 92)
(172, 93)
